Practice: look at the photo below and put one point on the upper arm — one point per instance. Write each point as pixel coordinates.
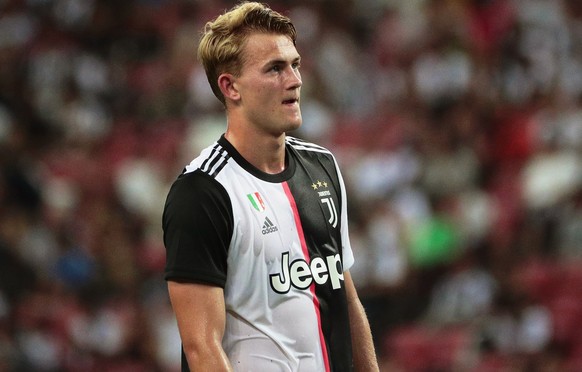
(362, 342)
(199, 309)
(198, 224)
(351, 293)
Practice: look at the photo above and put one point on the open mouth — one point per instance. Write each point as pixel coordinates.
(290, 101)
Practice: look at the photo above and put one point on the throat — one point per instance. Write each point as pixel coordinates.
(272, 163)
(265, 154)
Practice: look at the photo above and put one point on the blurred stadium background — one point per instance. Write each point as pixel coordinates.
(458, 125)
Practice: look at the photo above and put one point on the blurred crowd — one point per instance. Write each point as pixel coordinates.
(457, 124)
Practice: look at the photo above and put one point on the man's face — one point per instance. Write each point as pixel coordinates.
(270, 83)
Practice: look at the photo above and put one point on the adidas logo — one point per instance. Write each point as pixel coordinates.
(268, 227)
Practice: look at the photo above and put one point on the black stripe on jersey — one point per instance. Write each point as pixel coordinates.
(215, 162)
(323, 240)
(212, 154)
(221, 165)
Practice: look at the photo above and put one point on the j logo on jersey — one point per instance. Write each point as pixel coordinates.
(325, 198)
(256, 201)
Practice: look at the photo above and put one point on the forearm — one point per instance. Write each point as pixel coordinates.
(207, 358)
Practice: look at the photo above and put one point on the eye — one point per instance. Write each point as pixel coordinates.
(296, 65)
(275, 68)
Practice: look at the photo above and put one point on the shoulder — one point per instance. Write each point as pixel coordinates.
(194, 192)
(196, 187)
(302, 145)
(195, 183)
(306, 151)
(210, 161)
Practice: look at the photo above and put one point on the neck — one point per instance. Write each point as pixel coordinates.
(265, 152)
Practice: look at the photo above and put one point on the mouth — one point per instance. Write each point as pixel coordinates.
(291, 101)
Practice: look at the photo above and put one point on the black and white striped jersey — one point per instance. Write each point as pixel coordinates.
(277, 244)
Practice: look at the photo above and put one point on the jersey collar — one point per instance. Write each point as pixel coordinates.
(274, 178)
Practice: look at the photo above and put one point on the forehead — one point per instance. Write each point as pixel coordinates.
(261, 48)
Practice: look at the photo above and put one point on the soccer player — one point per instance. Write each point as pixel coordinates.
(255, 227)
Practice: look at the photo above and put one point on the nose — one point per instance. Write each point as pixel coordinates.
(294, 78)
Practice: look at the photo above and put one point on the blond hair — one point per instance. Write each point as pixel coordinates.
(222, 41)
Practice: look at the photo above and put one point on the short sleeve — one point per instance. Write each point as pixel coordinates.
(198, 225)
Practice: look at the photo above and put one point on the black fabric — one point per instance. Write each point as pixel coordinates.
(323, 240)
(198, 225)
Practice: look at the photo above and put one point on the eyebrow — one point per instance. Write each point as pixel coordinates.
(274, 62)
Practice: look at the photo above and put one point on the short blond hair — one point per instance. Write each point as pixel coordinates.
(223, 39)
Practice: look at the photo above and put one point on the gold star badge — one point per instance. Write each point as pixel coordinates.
(314, 186)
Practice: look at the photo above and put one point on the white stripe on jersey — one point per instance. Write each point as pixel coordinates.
(299, 144)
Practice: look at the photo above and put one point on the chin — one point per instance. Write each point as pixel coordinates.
(297, 122)
(294, 126)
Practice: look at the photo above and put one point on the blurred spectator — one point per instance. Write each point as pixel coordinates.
(458, 124)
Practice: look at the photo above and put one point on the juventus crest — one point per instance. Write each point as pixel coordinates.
(326, 198)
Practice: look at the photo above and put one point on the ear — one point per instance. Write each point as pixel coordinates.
(227, 85)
